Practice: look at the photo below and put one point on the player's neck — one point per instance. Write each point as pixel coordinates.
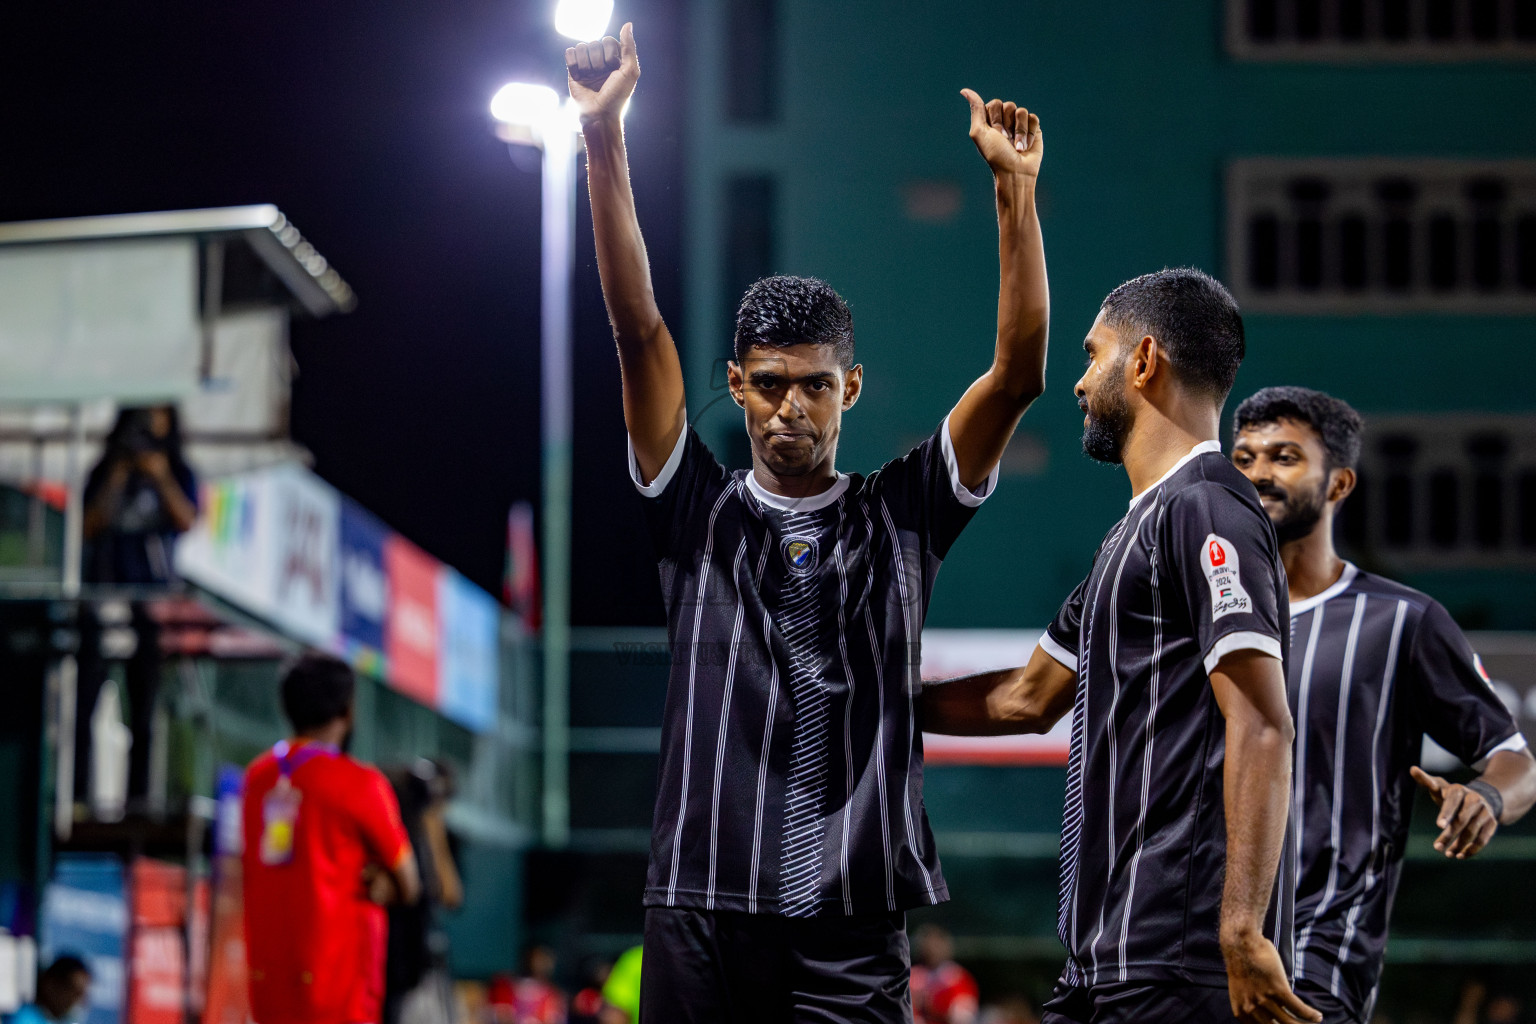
(332, 734)
(807, 485)
(1311, 564)
(1158, 441)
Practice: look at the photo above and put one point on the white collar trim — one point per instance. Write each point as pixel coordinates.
(1200, 449)
(787, 504)
(1345, 579)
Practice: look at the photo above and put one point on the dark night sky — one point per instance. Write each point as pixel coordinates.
(365, 122)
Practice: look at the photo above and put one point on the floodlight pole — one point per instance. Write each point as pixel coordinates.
(74, 505)
(558, 268)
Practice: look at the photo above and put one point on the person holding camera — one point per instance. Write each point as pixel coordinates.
(138, 499)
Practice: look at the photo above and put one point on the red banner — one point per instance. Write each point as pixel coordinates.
(410, 633)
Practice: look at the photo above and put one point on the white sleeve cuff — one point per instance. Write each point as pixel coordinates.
(1515, 743)
(655, 487)
(1058, 652)
(1245, 641)
(963, 494)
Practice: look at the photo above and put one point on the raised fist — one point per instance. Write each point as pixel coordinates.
(1007, 135)
(603, 74)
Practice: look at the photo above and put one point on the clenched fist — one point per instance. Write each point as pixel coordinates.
(603, 74)
(1007, 135)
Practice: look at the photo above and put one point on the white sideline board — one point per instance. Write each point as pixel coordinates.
(99, 319)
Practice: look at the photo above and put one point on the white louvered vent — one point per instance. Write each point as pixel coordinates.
(1378, 235)
(1454, 491)
(1381, 30)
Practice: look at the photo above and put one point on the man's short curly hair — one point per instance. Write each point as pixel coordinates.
(317, 689)
(1193, 317)
(781, 311)
(1332, 419)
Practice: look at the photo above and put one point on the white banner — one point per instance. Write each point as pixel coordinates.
(266, 542)
(960, 652)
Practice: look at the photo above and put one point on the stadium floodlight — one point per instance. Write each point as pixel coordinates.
(526, 113)
(583, 20)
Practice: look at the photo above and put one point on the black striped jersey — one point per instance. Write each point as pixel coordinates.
(791, 759)
(1191, 574)
(1376, 667)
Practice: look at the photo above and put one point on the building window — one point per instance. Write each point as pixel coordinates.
(1446, 492)
(1352, 236)
(1381, 30)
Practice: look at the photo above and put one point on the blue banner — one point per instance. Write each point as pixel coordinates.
(85, 914)
(364, 585)
(468, 666)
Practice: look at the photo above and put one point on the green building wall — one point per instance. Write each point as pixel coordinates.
(1142, 109)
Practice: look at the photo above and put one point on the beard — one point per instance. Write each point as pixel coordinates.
(1109, 424)
(1298, 514)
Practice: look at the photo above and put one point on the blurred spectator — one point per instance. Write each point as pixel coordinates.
(417, 986)
(61, 991)
(1504, 1009)
(531, 998)
(1476, 1007)
(324, 849)
(1013, 1009)
(943, 992)
(587, 1004)
(621, 992)
(138, 498)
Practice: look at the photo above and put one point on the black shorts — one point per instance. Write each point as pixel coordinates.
(1138, 1003)
(1331, 1006)
(725, 967)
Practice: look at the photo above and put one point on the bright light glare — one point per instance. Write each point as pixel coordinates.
(583, 20)
(524, 105)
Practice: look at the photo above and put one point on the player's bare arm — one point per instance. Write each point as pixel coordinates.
(1031, 699)
(400, 884)
(1250, 689)
(602, 78)
(1010, 139)
(1469, 815)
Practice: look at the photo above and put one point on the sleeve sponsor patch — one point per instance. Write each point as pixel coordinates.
(1218, 559)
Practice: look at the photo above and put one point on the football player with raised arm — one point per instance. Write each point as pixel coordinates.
(1376, 667)
(789, 835)
(1170, 656)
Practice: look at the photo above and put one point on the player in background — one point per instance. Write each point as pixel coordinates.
(943, 992)
(1170, 656)
(1375, 667)
(325, 849)
(789, 836)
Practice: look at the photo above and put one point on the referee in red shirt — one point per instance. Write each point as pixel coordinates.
(324, 850)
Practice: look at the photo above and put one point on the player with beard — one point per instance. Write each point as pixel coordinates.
(1170, 656)
(789, 836)
(1379, 666)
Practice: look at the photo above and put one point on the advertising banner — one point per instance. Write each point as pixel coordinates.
(157, 990)
(410, 638)
(305, 571)
(85, 913)
(468, 624)
(364, 586)
(285, 546)
(228, 549)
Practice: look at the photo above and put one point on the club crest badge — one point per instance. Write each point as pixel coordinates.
(800, 554)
